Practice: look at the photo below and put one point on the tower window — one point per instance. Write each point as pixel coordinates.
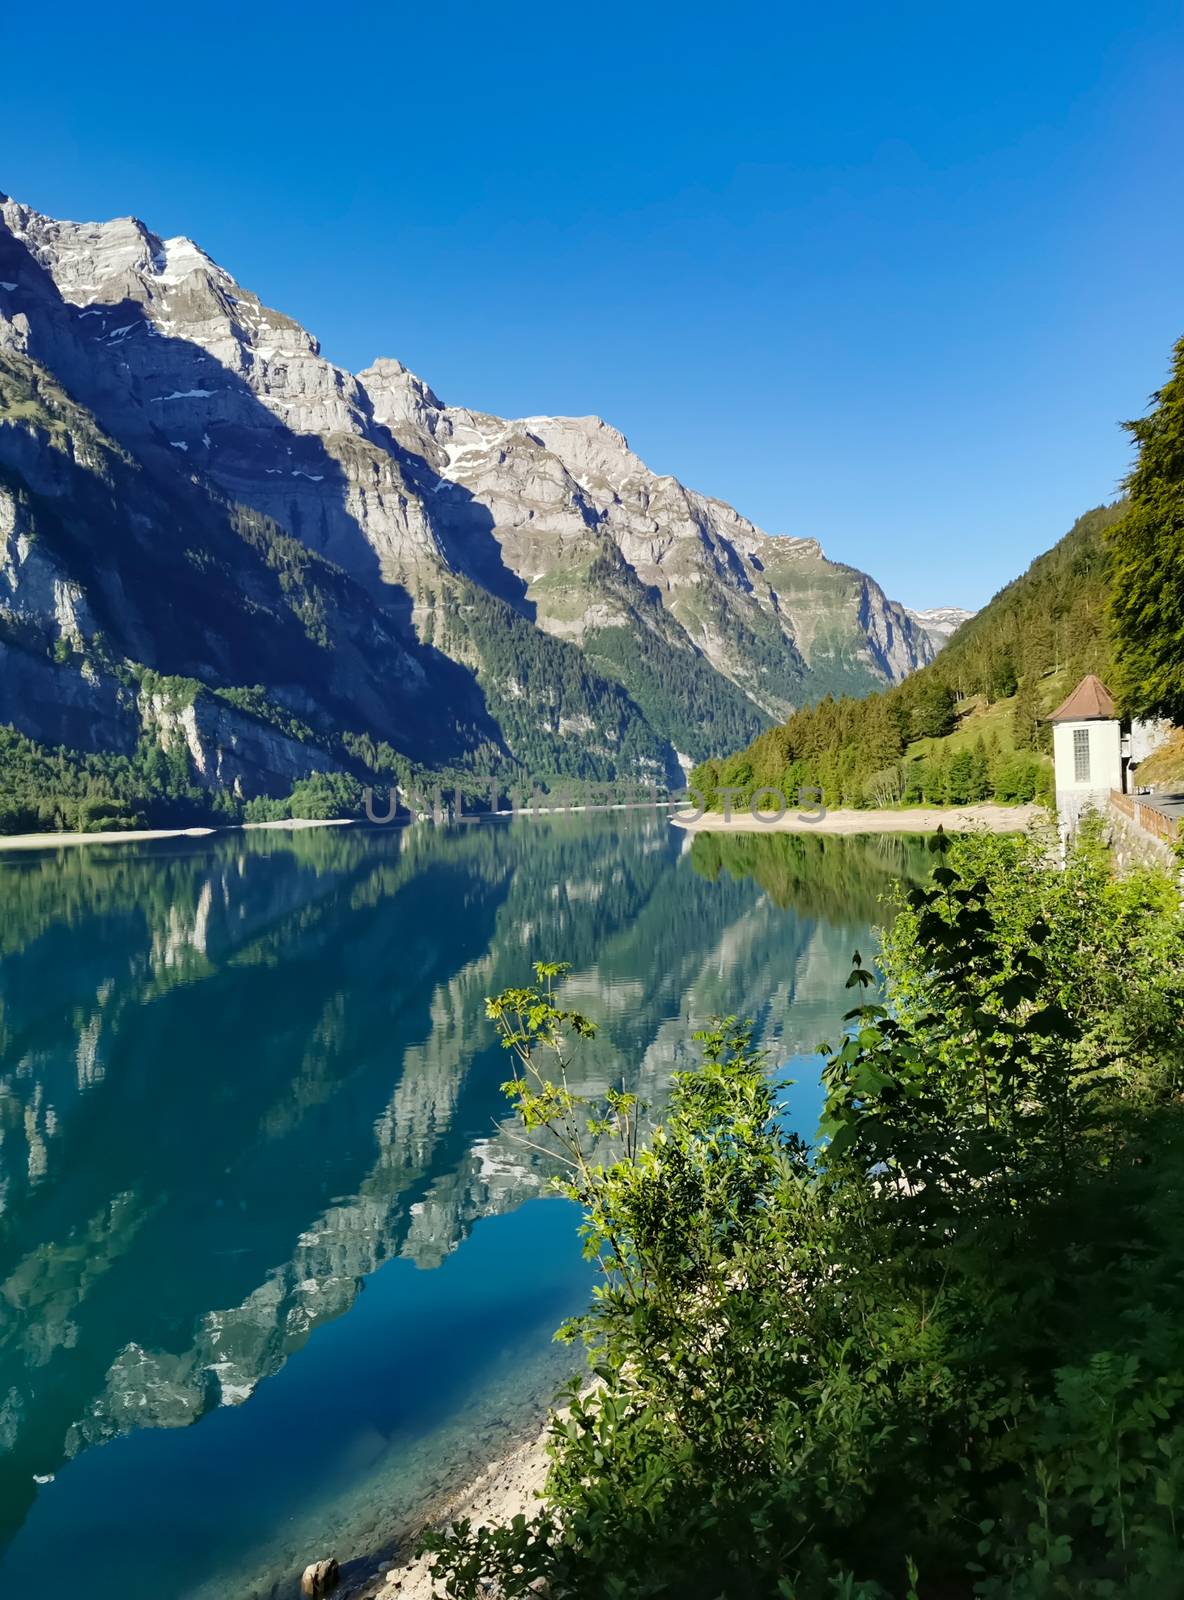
(1081, 755)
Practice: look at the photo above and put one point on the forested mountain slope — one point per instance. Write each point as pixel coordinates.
(1050, 618)
(968, 726)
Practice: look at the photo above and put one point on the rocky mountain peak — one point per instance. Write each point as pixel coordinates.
(941, 622)
(589, 605)
(398, 396)
(84, 258)
(588, 446)
(175, 259)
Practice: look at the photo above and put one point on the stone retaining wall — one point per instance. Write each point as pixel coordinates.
(1133, 845)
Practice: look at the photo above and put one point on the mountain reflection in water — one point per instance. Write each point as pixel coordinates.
(240, 1074)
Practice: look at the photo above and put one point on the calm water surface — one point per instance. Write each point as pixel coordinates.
(273, 1268)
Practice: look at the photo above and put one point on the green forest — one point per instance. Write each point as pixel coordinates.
(1108, 598)
(966, 728)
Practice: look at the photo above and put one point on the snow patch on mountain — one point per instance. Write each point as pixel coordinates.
(941, 622)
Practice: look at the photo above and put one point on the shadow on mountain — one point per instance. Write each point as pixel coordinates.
(161, 549)
(463, 526)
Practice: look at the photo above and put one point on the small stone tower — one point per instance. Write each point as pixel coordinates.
(1087, 752)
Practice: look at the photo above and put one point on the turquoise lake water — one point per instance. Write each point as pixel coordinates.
(273, 1268)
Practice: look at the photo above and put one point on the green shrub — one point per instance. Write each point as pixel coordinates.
(938, 1355)
(1016, 779)
(324, 795)
(263, 808)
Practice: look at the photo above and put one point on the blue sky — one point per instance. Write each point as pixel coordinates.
(888, 275)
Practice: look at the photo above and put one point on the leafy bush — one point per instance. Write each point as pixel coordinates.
(936, 1356)
(324, 795)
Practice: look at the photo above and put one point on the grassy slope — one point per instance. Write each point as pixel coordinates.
(979, 718)
(1166, 767)
(1038, 636)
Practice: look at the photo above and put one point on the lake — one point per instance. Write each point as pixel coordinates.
(273, 1268)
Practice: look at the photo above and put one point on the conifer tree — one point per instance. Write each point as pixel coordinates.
(980, 772)
(1147, 562)
(935, 781)
(1025, 716)
(959, 778)
(933, 710)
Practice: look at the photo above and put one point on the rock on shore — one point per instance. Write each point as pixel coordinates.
(508, 1487)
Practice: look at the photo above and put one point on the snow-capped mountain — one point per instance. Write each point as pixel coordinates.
(941, 622)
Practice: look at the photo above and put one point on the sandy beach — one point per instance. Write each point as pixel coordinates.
(293, 823)
(507, 1487)
(49, 841)
(918, 819)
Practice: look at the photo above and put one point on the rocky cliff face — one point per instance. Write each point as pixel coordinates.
(941, 622)
(478, 590)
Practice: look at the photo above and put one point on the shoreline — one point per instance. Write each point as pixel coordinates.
(508, 1485)
(984, 818)
(49, 841)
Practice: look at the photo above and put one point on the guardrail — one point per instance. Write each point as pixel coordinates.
(1146, 817)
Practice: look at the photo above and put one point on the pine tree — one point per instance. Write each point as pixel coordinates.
(959, 778)
(933, 710)
(980, 772)
(1025, 716)
(1001, 677)
(1147, 553)
(935, 781)
(881, 742)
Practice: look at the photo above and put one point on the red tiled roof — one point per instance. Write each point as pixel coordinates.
(1088, 702)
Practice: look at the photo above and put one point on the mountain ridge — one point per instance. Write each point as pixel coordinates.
(941, 622)
(972, 725)
(651, 623)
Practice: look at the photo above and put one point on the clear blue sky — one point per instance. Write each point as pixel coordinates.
(885, 274)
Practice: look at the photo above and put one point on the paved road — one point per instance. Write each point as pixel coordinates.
(1171, 805)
